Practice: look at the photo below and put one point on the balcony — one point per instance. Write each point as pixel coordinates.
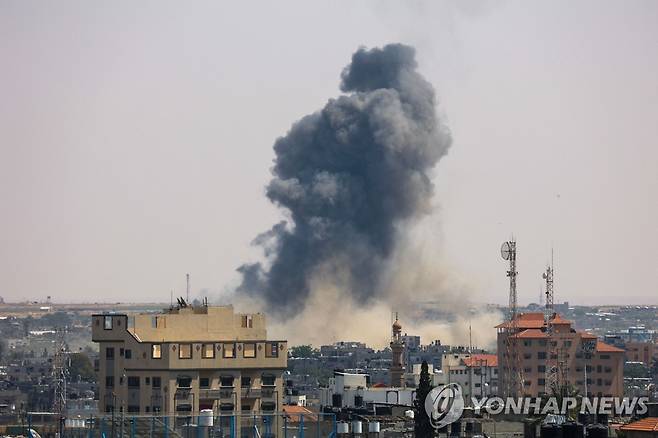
(216, 394)
(183, 394)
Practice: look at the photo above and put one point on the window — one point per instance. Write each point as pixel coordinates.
(541, 369)
(109, 381)
(271, 349)
(527, 355)
(133, 381)
(184, 382)
(249, 350)
(147, 380)
(541, 355)
(247, 321)
(156, 351)
(268, 380)
(567, 343)
(270, 406)
(208, 351)
(157, 382)
(107, 323)
(541, 382)
(605, 356)
(129, 354)
(527, 343)
(229, 350)
(204, 382)
(226, 381)
(527, 383)
(542, 342)
(133, 408)
(109, 353)
(185, 351)
(245, 382)
(121, 352)
(599, 369)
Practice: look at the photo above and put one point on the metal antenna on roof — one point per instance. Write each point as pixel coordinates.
(187, 279)
(512, 361)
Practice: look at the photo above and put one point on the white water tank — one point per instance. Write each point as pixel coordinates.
(342, 427)
(373, 427)
(357, 427)
(206, 418)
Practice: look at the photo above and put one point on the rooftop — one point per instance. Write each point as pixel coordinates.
(649, 424)
(476, 360)
(602, 347)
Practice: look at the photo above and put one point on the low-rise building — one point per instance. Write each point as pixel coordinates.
(187, 359)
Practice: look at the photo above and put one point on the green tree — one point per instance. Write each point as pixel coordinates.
(422, 426)
(80, 365)
(303, 351)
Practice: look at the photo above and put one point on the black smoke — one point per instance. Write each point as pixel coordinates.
(350, 175)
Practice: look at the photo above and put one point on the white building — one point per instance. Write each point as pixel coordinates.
(350, 391)
(477, 374)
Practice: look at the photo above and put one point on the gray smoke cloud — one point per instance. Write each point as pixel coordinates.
(350, 176)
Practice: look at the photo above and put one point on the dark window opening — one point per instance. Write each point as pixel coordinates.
(226, 380)
(184, 382)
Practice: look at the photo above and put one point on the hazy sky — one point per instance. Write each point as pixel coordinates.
(136, 138)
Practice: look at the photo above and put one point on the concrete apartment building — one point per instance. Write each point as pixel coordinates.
(187, 359)
(477, 374)
(638, 342)
(592, 366)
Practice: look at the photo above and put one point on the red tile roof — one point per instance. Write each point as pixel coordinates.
(526, 321)
(478, 360)
(531, 334)
(649, 424)
(602, 347)
(294, 412)
(586, 335)
(558, 320)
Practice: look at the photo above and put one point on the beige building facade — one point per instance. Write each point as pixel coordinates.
(188, 359)
(586, 363)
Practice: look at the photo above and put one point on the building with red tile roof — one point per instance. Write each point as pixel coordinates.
(644, 428)
(589, 364)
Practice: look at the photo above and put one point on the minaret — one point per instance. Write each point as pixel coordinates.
(397, 349)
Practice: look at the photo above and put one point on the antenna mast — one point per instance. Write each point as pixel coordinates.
(60, 372)
(187, 280)
(548, 276)
(513, 369)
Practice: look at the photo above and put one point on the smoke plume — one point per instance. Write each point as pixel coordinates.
(349, 176)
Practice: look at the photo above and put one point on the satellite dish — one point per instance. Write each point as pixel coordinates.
(505, 251)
